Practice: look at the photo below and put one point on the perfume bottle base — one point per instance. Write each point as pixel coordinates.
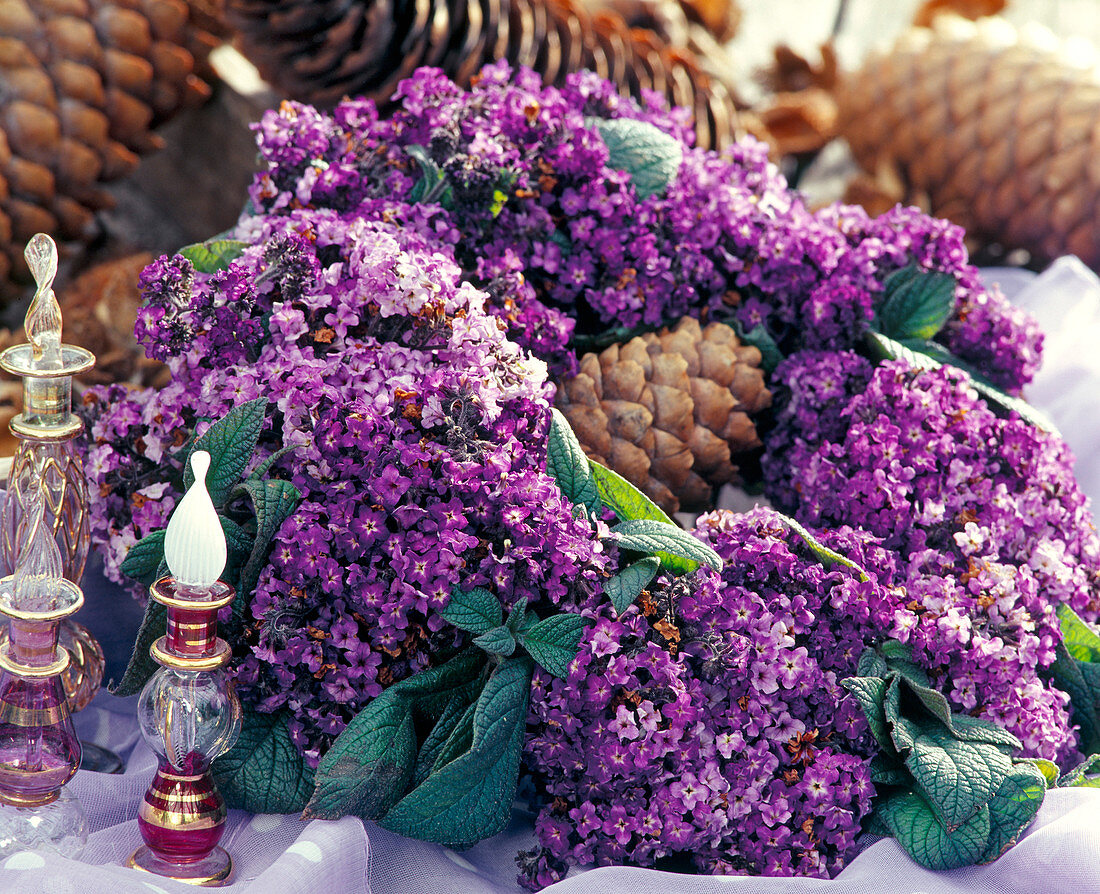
(212, 871)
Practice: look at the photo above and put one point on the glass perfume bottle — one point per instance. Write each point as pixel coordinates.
(188, 711)
(47, 462)
(39, 750)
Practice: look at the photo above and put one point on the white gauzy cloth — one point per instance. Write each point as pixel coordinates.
(1065, 299)
(1060, 852)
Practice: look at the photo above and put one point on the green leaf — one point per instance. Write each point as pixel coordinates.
(1081, 680)
(678, 550)
(758, 337)
(273, 500)
(213, 254)
(871, 664)
(627, 585)
(899, 657)
(264, 467)
(371, 763)
(870, 692)
(913, 822)
(554, 641)
(648, 154)
(1079, 775)
(995, 398)
(955, 776)
(144, 558)
(264, 772)
(518, 616)
(820, 550)
(623, 498)
(916, 303)
(498, 641)
(1048, 769)
(454, 714)
(886, 771)
(567, 464)
(230, 442)
(141, 666)
(432, 186)
(1013, 808)
(1080, 640)
(459, 740)
(476, 610)
(470, 798)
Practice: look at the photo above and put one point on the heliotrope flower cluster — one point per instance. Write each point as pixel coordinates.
(402, 275)
(986, 527)
(558, 236)
(418, 433)
(708, 720)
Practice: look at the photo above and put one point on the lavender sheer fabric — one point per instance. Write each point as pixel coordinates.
(283, 855)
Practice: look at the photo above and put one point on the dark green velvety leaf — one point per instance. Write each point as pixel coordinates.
(956, 777)
(649, 155)
(899, 658)
(230, 442)
(1081, 680)
(371, 763)
(678, 550)
(470, 798)
(870, 692)
(476, 610)
(976, 729)
(1080, 775)
(567, 464)
(758, 337)
(213, 254)
(820, 550)
(1013, 808)
(272, 502)
(626, 586)
(553, 642)
(914, 824)
(871, 664)
(498, 641)
(264, 772)
(144, 558)
(458, 742)
(916, 303)
(458, 706)
(518, 616)
(261, 470)
(141, 666)
(886, 771)
(623, 498)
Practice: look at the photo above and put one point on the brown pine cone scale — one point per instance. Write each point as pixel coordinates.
(669, 410)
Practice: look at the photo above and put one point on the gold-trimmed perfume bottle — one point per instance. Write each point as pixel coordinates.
(188, 711)
(47, 462)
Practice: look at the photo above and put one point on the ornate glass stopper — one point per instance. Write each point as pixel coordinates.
(39, 750)
(46, 463)
(188, 711)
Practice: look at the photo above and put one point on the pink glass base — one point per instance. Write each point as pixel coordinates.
(212, 871)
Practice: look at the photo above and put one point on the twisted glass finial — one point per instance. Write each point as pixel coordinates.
(43, 320)
(194, 544)
(40, 570)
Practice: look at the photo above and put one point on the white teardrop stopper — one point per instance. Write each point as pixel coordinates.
(194, 544)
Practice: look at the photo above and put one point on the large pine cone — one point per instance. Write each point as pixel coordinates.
(669, 410)
(980, 124)
(319, 51)
(83, 82)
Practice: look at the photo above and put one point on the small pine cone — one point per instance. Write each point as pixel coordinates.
(991, 127)
(84, 82)
(669, 410)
